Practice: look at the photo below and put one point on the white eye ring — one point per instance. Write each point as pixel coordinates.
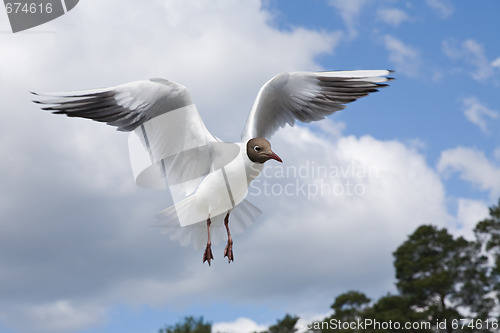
(256, 148)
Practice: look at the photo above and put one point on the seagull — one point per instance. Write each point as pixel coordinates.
(208, 179)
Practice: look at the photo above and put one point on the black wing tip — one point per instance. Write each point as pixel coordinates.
(390, 78)
(36, 101)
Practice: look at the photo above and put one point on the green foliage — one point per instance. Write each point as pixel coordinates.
(350, 304)
(488, 230)
(488, 234)
(427, 264)
(439, 273)
(285, 325)
(189, 325)
(395, 309)
(347, 307)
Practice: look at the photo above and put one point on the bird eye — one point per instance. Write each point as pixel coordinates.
(256, 148)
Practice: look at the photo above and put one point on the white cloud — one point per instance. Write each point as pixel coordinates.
(496, 63)
(240, 325)
(392, 16)
(58, 316)
(473, 54)
(417, 144)
(469, 213)
(330, 127)
(405, 57)
(349, 11)
(473, 166)
(306, 319)
(443, 7)
(476, 112)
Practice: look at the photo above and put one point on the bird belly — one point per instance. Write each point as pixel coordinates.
(221, 190)
(225, 187)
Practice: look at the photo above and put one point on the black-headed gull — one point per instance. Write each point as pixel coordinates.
(209, 179)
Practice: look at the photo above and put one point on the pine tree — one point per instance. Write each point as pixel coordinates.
(189, 325)
(442, 276)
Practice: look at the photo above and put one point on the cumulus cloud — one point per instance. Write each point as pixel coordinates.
(392, 16)
(240, 325)
(477, 113)
(473, 54)
(58, 316)
(472, 166)
(330, 127)
(405, 57)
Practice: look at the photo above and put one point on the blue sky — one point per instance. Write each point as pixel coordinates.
(77, 253)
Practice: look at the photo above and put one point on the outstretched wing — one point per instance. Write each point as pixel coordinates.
(169, 143)
(126, 106)
(307, 97)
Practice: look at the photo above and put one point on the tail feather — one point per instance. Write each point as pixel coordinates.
(243, 216)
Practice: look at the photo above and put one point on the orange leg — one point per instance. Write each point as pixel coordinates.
(207, 256)
(228, 251)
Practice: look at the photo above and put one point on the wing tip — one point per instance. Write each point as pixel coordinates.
(390, 78)
(375, 76)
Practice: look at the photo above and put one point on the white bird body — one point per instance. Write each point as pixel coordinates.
(219, 191)
(208, 179)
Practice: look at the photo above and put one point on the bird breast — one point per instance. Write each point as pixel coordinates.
(224, 188)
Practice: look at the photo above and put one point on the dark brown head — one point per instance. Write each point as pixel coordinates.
(259, 151)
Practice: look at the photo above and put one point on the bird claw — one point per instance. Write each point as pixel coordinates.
(207, 256)
(228, 251)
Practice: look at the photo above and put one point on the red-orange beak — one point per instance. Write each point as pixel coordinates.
(274, 157)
